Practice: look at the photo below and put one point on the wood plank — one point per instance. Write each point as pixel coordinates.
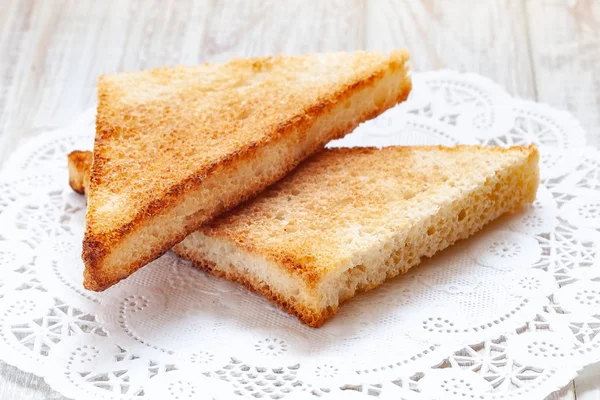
(16, 384)
(587, 383)
(565, 47)
(56, 49)
(566, 393)
(487, 37)
(16, 45)
(276, 27)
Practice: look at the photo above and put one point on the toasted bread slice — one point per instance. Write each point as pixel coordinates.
(348, 219)
(177, 146)
(79, 164)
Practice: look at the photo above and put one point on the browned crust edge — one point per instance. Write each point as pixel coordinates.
(97, 247)
(316, 318)
(79, 163)
(304, 314)
(306, 270)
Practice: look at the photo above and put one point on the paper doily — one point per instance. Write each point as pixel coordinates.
(512, 313)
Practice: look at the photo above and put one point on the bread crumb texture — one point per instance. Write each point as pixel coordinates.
(177, 146)
(348, 219)
(79, 164)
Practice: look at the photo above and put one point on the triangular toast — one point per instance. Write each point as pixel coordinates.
(348, 219)
(177, 146)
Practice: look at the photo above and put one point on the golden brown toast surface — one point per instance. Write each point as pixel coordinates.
(342, 201)
(347, 219)
(177, 146)
(79, 164)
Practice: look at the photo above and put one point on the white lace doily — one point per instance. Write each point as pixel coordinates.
(512, 313)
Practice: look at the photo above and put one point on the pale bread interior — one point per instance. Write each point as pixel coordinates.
(410, 203)
(482, 187)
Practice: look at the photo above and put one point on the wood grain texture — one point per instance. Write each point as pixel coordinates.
(587, 383)
(565, 44)
(16, 384)
(486, 37)
(54, 50)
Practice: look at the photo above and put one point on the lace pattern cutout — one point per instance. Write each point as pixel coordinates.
(512, 313)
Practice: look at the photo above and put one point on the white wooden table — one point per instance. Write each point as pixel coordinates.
(52, 51)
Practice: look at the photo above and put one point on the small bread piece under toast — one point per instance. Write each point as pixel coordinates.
(348, 219)
(79, 163)
(175, 147)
